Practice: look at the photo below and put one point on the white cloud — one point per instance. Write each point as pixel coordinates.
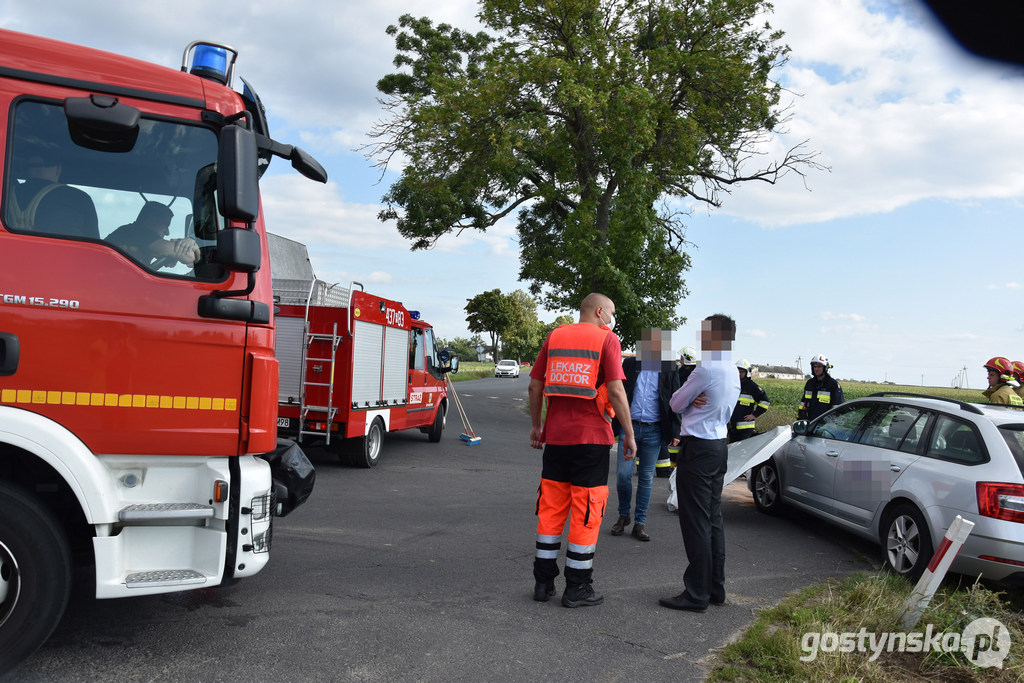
(855, 317)
(1007, 285)
(897, 111)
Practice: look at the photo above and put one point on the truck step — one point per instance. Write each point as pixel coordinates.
(321, 409)
(164, 512)
(164, 577)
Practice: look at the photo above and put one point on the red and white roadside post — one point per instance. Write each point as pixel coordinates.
(929, 582)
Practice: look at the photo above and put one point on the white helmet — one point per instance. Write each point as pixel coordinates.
(689, 355)
(742, 364)
(822, 359)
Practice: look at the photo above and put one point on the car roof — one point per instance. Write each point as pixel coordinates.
(997, 414)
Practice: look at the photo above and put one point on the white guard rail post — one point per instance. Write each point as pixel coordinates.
(925, 589)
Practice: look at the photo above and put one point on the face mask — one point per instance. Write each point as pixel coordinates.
(611, 322)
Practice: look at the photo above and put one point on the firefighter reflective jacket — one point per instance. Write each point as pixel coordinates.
(819, 396)
(1003, 393)
(752, 401)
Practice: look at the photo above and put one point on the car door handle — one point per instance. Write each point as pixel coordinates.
(832, 454)
(895, 468)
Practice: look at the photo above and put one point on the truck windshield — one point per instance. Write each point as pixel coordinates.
(156, 204)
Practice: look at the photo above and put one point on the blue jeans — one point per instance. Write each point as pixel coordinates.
(648, 446)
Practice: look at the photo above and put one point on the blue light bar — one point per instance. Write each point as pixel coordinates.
(415, 315)
(210, 62)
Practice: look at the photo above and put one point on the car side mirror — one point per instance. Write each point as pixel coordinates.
(800, 428)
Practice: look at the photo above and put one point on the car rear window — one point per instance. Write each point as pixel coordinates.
(956, 441)
(1014, 437)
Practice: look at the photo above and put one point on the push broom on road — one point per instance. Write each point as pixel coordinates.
(468, 435)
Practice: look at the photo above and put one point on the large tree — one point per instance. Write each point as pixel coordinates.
(522, 338)
(490, 313)
(592, 121)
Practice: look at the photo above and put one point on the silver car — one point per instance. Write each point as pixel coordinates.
(898, 468)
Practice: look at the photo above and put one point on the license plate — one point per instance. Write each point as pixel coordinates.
(284, 422)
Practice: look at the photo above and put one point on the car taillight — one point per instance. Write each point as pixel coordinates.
(1002, 501)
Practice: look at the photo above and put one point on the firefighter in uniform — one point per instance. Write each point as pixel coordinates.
(579, 373)
(821, 392)
(1000, 374)
(1018, 374)
(752, 404)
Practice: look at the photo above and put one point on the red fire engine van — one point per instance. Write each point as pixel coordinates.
(354, 365)
(138, 416)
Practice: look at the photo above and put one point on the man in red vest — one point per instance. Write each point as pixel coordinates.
(579, 373)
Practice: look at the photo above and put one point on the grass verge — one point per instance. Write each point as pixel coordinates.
(775, 648)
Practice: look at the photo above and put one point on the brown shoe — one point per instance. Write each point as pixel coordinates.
(639, 533)
(620, 525)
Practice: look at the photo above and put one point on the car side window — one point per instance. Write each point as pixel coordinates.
(842, 423)
(955, 441)
(913, 437)
(890, 425)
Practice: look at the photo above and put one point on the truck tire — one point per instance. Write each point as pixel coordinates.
(35, 575)
(434, 435)
(364, 451)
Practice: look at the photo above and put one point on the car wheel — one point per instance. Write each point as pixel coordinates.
(35, 575)
(767, 492)
(434, 435)
(364, 451)
(906, 542)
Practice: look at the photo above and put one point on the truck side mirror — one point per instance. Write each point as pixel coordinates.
(447, 361)
(238, 194)
(238, 249)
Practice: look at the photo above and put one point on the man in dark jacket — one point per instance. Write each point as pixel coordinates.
(752, 404)
(821, 392)
(651, 379)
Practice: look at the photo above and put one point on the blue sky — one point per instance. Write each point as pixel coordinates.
(896, 264)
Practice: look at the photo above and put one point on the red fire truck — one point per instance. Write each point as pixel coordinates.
(354, 365)
(138, 417)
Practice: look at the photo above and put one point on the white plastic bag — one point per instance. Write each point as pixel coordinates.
(673, 500)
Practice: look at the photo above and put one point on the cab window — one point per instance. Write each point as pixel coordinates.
(416, 350)
(156, 204)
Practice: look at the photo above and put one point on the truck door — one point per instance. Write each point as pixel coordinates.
(107, 253)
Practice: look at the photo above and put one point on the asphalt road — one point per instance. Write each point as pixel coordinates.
(420, 569)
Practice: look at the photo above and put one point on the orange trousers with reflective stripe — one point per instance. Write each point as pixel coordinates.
(583, 506)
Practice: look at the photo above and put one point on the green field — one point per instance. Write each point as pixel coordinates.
(785, 395)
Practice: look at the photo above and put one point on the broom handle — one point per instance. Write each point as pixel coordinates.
(458, 404)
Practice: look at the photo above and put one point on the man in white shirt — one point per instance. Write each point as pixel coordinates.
(706, 402)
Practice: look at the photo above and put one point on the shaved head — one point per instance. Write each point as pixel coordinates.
(592, 302)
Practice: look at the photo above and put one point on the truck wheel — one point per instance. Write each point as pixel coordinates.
(35, 575)
(364, 451)
(434, 435)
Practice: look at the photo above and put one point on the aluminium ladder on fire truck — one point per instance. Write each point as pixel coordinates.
(309, 293)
